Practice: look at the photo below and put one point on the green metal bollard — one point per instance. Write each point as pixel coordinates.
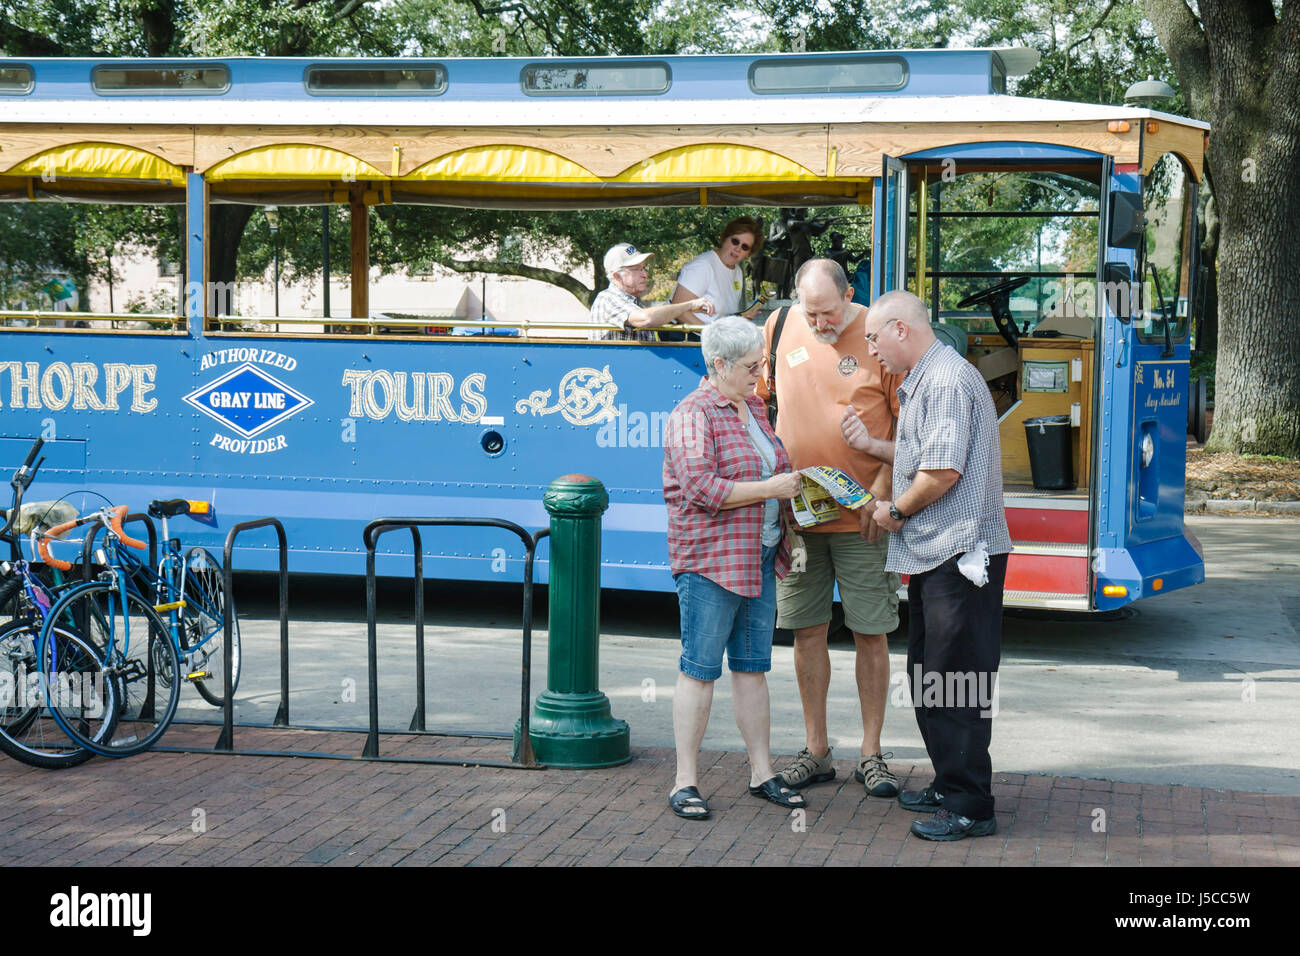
(571, 724)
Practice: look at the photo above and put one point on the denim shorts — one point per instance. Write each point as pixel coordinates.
(715, 619)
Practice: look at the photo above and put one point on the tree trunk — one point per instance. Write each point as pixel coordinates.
(1241, 70)
(1257, 374)
(225, 230)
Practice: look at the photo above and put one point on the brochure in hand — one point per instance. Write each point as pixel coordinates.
(821, 490)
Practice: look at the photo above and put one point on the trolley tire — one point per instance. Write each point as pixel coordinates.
(1196, 410)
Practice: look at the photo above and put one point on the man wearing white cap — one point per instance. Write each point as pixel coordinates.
(619, 311)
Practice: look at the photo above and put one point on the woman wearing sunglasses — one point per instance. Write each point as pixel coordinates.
(725, 477)
(716, 276)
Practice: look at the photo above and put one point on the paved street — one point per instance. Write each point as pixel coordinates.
(275, 811)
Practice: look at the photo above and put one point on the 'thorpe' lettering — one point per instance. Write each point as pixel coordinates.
(79, 384)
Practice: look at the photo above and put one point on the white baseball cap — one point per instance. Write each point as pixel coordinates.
(623, 255)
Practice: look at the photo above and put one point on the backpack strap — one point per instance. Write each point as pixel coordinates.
(781, 316)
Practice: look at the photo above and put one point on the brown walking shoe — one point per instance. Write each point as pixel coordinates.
(806, 769)
(874, 774)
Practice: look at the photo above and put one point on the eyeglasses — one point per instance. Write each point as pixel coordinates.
(744, 246)
(755, 369)
(871, 336)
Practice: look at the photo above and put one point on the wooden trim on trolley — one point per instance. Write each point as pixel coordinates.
(602, 150)
(175, 144)
(860, 145)
(1160, 136)
(856, 146)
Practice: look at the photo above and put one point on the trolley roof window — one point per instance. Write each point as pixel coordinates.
(15, 79)
(595, 79)
(376, 80)
(855, 74)
(180, 78)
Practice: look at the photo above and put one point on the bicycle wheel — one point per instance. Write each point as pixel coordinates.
(138, 660)
(28, 732)
(203, 627)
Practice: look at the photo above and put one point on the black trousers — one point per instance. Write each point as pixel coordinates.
(954, 645)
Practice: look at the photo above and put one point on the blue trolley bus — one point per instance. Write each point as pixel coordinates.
(1054, 242)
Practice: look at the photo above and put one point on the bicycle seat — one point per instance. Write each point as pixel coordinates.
(169, 509)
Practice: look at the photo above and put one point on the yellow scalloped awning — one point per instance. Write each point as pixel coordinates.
(292, 162)
(99, 161)
(511, 164)
(715, 163)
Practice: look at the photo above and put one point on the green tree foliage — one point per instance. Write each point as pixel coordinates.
(35, 243)
(1010, 244)
(1239, 65)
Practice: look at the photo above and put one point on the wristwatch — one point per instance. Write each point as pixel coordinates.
(895, 513)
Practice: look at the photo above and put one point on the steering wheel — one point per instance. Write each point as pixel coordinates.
(999, 299)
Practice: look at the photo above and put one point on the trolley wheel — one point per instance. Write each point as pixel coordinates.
(1196, 410)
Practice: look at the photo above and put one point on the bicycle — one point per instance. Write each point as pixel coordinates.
(191, 591)
(133, 649)
(27, 731)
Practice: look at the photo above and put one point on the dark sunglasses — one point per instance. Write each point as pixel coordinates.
(744, 246)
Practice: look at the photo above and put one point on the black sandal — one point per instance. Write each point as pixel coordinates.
(688, 797)
(777, 792)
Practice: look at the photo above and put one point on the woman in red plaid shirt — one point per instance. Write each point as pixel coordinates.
(725, 476)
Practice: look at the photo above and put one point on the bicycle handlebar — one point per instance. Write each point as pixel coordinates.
(19, 482)
(114, 515)
(42, 544)
(31, 455)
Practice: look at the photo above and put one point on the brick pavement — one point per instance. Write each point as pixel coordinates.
(280, 810)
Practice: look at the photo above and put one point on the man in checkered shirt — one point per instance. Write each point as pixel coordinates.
(947, 509)
(619, 310)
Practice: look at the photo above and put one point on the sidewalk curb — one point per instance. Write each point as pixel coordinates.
(1230, 505)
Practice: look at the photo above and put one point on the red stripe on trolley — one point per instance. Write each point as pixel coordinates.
(1047, 572)
(1041, 524)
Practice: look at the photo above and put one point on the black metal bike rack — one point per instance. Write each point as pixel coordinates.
(226, 742)
(523, 757)
(88, 546)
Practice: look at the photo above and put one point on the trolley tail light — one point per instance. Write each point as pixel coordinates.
(1114, 590)
(200, 507)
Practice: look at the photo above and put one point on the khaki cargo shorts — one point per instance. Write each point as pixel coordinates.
(868, 592)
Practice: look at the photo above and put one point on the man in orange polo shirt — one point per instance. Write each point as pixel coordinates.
(823, 366)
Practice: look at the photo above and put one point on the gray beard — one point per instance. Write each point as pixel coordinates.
(826, 338)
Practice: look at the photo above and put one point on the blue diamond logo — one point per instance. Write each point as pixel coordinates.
(248, 401)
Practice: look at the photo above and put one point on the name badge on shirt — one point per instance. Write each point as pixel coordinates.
(736, 285)
(797, 356)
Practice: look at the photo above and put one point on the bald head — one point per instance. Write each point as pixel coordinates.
(898, 331)
(821, 273)
(902, 306)
(824, 298)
